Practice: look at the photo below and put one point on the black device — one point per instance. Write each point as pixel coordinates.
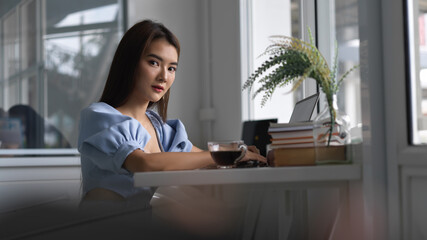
(256, 133)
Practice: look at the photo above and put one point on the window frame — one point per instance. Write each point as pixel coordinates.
(402, 153)
(390, 96)
(38, 70)
(395, 71)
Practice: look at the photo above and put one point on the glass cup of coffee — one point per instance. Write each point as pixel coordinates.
(227, 153)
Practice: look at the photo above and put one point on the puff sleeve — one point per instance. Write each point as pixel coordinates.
(172, 134)
(107, 137)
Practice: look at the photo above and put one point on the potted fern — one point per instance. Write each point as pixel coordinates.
(293, 60)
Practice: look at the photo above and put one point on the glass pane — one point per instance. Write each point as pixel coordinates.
(54, 63)
(347, 36)
(77, 55)
(28, 38)
(10, 44)
(296, 18)
(13, 91)
(274, 17)
(30, 92)
(10, 49)
(96, 14)
(417, 26)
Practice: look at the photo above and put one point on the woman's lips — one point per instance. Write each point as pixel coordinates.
(158, 88)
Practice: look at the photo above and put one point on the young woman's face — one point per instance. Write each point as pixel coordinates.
(156, 71)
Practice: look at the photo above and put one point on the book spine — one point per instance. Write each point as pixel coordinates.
(291, 134)
(292, 140)
(286, 129)
(293, 145)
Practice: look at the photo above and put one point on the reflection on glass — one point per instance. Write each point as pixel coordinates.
(54, 63)
(10, 132)
(10, 44)
(296, 18)
(90, 16)
(28, 35)
(77, 62)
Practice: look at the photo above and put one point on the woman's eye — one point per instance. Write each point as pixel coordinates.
(154, 63)
(172, 69)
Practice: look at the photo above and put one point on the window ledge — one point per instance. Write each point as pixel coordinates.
(48, 161)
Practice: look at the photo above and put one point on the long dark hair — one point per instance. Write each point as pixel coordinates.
(121, 78)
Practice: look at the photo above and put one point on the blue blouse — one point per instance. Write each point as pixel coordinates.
(107, 137)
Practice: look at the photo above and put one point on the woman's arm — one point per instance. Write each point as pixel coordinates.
(139, 161)
(196, 149)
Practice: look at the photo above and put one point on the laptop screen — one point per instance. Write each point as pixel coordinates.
(304, 109)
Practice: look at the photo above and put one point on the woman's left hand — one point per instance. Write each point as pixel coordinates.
(253, 154)
(253, 149)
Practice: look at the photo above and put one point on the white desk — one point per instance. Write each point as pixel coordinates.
(278, 178)
(328, 174)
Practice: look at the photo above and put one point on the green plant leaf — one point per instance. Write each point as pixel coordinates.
(292, 60)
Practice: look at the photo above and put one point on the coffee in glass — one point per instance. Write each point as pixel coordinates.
(227, 153)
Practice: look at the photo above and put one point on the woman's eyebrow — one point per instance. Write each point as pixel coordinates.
(160, 58)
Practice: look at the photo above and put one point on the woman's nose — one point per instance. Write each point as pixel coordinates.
(163, 75)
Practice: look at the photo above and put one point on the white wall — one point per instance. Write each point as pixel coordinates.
(208, 76)
(226, 91)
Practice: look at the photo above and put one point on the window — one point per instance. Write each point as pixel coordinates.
(337, 22)
(347, 37)
(417, 55)
(328, 21)
(265, 19)
(55, 57)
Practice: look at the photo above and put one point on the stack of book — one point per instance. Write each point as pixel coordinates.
(291, 135)
(292, 144)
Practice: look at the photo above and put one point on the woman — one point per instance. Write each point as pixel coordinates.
(122, 134)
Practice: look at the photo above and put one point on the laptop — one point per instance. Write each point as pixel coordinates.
(256, 132)
(303, 109)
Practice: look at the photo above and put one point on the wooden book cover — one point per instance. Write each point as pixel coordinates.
(305, 156)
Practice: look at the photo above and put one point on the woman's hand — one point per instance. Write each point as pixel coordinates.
(253, 149)
(253, 154)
